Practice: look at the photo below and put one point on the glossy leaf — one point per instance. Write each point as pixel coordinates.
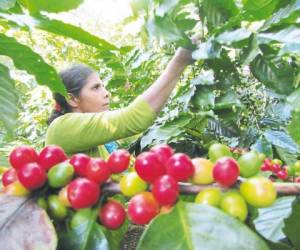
(277, 77)
(60, 28)
(26, 59)
(227, 101)
(168, 130)
(87, 236)
(166, 6)
(292, 226)
(233, 37)
(194, 226)
(207, 50)
(35, 6)
(276, 115)
(270, 221)
(204, 98)
(286, 155)
(217, 12)
(279, 246)
(204, 78)
(260, 9)
(8, 100)
(263, 146)
(115, 237)
(251, 51)
(288, 14)
(165, 30)
(90, 235)
(139, 6)
(281, 139)
(293, 127)
(293, 99)
(287, 36)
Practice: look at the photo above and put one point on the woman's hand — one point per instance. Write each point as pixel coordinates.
(184, 56)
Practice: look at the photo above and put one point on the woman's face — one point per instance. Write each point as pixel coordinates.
(93, 96)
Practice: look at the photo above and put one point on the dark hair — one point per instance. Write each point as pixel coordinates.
(74, 79)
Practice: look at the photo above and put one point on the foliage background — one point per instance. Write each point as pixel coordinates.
(242, 89)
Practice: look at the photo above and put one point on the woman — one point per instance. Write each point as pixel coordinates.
(82, 123)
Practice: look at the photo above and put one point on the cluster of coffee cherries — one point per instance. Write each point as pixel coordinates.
(151, 182)
(277, 168)
(73, 182)
(161, 168)
(76, 182)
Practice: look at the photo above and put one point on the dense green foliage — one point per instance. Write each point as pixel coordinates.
(243, 89)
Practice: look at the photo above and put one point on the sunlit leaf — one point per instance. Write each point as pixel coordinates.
(26, 59)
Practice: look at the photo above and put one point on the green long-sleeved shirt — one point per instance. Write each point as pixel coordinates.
(87, 132)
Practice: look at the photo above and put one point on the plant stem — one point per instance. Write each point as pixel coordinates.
(285, 189)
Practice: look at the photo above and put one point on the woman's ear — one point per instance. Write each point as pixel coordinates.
(73, 101)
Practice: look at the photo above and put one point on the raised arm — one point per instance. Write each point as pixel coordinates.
(157, 94)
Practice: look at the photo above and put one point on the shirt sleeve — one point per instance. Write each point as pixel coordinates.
(78, 132)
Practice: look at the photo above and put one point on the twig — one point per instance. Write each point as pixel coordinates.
(187, 188)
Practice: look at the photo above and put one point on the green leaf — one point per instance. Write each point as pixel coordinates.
(230, 6)
(87, 236)
(220, 129)
(164, 29)
(139, 6)
(292, 225)
(184, 21)
(204, 98)
(225, 71)
(293, 127)
(115, 237)
(291, 48)
(260, 9)
(270, 221)
(287, 36)
(276, 115)
(279, 246)
(24, 224)
(217, 12)
(287, 156)
(288, 14)
(263, 146)
(251, 51)
(233, 37)
(278, 77)
(26, 59)
(59, 28)
(206, 77)
(281, 139)
(141, 59)
(35, 6)
(207, 50)
(166, 131)
(194, 226)
(92, 236)
(166, 6)
(8, 100)
(227, 101)
(7, 4)
(293, 99)
(186, 97)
